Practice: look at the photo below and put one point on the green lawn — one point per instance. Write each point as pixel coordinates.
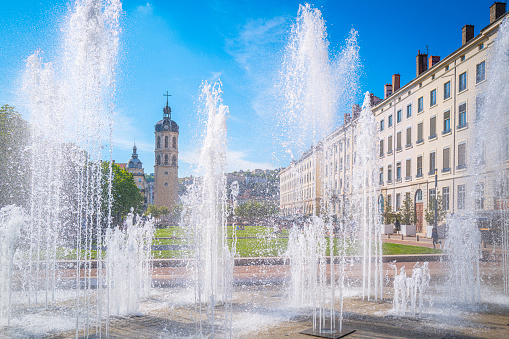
(259, 241)
(255, 241)
(391, 249)
(173, 231)
(248, 231)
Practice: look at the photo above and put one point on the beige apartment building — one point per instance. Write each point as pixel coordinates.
(424, 127)
(428, 125)
(301, 185)
(340, 154)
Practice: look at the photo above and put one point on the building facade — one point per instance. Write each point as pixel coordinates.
(166, 161)
(135, 167)
(425, 128)
(301, 185)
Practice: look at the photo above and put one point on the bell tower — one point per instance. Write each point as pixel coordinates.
(166, 161)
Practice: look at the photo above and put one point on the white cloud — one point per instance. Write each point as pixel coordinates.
(146, 9)
(126, 132)
(214, 76)
(255, 41)
(257, 49)
(236, 160)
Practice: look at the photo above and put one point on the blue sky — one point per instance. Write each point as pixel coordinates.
(175, 45)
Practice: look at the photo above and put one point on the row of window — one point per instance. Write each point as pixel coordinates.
(462, 119)
(461, 197)
(462, 85)
(158, 142)
(446, 161)
(173, 160)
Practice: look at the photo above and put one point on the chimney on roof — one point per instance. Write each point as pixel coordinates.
(387, 90)
(421, 63)
(433, 60)
(356, 110)
(374, 99)
(467, 34)
(395, 82)
(496, 11)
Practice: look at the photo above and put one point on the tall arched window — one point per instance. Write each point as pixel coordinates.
(166, 142)
(174, 142)
(174, 161)
(158, 160)
(166, 159)
(418, 196)
(158, 142)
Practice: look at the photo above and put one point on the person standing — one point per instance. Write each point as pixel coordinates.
(397, 225)
(434, 236)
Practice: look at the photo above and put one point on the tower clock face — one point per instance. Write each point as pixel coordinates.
(165, 127)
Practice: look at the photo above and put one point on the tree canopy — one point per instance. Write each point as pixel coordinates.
(124, 192)
(15, 163)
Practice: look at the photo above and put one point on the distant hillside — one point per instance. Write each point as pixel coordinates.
(253, 185)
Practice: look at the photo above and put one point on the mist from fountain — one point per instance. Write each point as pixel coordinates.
(12, 221)
(411, 293)
(128, 268)
(70, 102)
(314, 86)
(205, 216)
(364, 214)
(492, 133)
(487, 157)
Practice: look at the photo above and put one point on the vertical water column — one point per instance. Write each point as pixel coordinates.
(364, 212)
(311, 85)
(308, 89)
(205, 213)
(45, 222)
(70, 104)
(12, 221)
(128, 265)
(491, 152)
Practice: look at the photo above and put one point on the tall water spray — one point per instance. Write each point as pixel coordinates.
(307, 82)
(487, 156)
(205, 214)
(71, 111)
(312, 83)
(490, 151)
(363, 211)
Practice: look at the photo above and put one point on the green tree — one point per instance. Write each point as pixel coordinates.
(15, 163)
(254, 209)
(407, 212)
(176, 213)
(152, 211)
(429, 215)
(388, 215)
(124, 192)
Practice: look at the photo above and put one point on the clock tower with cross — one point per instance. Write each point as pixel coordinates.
(166, 162)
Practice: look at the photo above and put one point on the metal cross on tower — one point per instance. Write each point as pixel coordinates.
(166, 95)
(167, 109)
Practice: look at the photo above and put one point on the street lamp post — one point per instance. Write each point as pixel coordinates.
(436, 196)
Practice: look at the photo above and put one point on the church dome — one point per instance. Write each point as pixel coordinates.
(134, 162)
(172, 126)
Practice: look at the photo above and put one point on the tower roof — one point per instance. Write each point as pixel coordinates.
(167, 124)
(134, 162)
